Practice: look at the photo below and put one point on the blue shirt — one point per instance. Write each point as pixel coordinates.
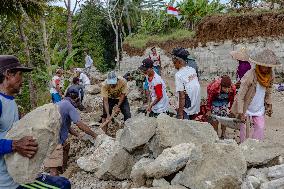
(9, 115)
(68, 114)
(221, 100)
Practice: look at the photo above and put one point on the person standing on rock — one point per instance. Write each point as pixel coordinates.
(254, 97)
(187, 87)
(56, 85)
(242, 57)
(114, 91)
(155, 57)
(158, 95)
(69, 113)
(11, 80)
(88, 61)
(220, 97)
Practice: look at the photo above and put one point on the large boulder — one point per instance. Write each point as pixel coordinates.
(214, 166)
(171, 131)
(276, 172)
(138, 174)
(92, 103)
(92, 89)
(274, 184)
(43, 124)
(261, 152)
(137, 131)
(170, 161)
(92, 162)
(117, 166)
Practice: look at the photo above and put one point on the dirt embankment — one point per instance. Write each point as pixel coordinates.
(219, 28)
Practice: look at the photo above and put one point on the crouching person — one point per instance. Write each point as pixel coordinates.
(254, 97)
(220, 97)
(159, 101)
(11, 80)
(69, 113)
(114, 92)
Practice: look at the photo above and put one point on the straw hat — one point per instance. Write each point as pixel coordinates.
(241, 54)
(265, 58)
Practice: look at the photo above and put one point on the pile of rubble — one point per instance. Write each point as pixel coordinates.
(165, 152)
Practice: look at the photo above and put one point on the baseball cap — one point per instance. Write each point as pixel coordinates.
(180, 52)
(146, 64)
(10, 62)
(72, 91)
(111, 78)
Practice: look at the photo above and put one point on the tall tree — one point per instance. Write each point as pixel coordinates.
(70, 13)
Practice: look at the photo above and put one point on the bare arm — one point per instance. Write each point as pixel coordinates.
(72, 131)
(106, 106)
(82, 126)
(121, 99)
(181, 104)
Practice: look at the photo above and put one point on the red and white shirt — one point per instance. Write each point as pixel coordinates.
(54, 82)
(157, 88)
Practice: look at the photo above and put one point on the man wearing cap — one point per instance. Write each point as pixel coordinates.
(220, 97)
(157, 87)
(242, 57)
(184, 54)
(11, 80)
(56, 85)
(187, 87)
(254, 97)
(69, 113)
(114, 92)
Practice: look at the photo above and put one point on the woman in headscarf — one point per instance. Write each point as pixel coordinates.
(242, 57)
(254, 97)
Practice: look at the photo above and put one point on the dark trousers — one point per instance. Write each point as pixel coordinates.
(125, 108)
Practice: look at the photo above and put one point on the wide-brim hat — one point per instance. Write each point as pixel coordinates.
(241, 54)
(265, 58)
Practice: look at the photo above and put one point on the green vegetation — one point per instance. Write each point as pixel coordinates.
(140, 40)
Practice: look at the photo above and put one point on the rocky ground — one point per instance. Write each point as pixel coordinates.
(170, 153)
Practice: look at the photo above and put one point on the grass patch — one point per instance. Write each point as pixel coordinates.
(140, 40)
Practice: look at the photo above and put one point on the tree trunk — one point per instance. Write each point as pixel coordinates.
(128, 18)
(45, 46)
(69, 28)
(117, 47)
(29, 63)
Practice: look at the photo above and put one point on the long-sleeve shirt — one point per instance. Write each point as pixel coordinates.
(5, 146)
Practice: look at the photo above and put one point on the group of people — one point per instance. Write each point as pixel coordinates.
(249, 98)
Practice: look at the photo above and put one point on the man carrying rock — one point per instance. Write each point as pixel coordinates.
(159, 99)
(84, 80)
(69, 113)
(76, 85)
(114, 90)
(187, 87)
(254, 97)
(11, 80)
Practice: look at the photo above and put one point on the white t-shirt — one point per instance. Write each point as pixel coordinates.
(88, 61)
(186, 80)
(256, 107)
(84, 80)
(55, 81)
(163, 105)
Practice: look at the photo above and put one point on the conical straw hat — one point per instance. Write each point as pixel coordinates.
(265, 58)
(241, 54)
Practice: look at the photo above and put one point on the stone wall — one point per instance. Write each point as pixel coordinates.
(214, 58)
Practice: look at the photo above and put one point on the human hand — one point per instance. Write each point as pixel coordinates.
(241, 117)
(208, 114)
(26, 146)
(149, 108)
(116, 110)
